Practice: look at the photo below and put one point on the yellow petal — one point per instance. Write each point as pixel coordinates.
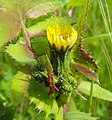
(61, 36)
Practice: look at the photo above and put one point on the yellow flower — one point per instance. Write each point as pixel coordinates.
(61, 37)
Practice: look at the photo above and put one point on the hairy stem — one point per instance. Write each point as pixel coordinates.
(41, 34)
(24, 31)
(50, 74)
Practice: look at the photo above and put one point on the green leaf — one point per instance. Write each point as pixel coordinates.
(19, 86)
(40, 98)
(42, 26)
(40, 46)
(10, 22)
(79, 55)
(98, 91)
(9, 27)
(85, 71)
(20, 53)
(2, 108)
(76, 3)
(97, 38)
(32, 8)
(78, 116)
(44, 7)
(10, 12)
(9, 114)
(15, 5)
(73, 107)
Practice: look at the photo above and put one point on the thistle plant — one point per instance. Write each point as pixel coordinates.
(42, 44)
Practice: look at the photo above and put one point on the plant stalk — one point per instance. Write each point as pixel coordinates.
(24, 31)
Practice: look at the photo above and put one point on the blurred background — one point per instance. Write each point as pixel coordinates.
(98, 40)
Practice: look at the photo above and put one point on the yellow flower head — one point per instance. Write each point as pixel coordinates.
(61, 37)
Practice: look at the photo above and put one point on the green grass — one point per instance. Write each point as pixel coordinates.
(98, 40)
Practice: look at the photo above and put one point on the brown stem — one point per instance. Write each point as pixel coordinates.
(38, 35)
(50, 74)
(51, 81)
(24, 31)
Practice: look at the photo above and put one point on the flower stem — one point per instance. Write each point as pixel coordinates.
(61, 67)
(61, 63)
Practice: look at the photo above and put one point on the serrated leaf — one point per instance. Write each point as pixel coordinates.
(9, 27)
(19, 86)
(40, 46)
(80, 55)
(43, 101)
(79, 116)
(10, 22)
(11, 12)
(32, 8)
(15, 5)
(42, 26)
(44, 7)
(98, 91)
(20, 53)
(89, 73)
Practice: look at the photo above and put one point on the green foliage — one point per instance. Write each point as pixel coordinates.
(2, 108)
(42, 26)
(76, 3)
(6, 112)
(20, 53)
(39, 96)
(85, 71)
(78, 116)
(81, 59)
(9, 113)
(19, 86)
(8, 26)
(44, 7)
(30, 7)
(40, 46)
(98, 91)
(13, 11)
